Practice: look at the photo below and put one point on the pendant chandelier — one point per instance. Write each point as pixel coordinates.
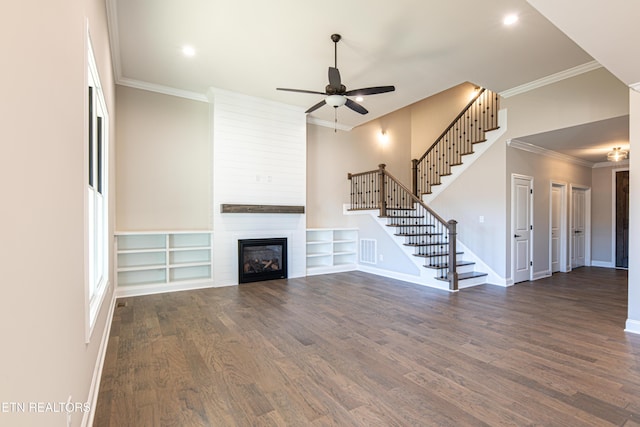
(617, 154)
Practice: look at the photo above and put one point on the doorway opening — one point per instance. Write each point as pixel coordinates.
(621, 218)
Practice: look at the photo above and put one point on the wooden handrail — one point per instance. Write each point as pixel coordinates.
(416, 199)
(379, 189)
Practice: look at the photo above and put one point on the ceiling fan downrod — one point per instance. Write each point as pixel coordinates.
(335, 38)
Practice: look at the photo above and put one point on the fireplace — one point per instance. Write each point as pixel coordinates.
(262, 259)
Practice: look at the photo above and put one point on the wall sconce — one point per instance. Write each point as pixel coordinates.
(383, 137)
(617, 154)
(474, 92)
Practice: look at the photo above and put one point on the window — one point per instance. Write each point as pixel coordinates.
(97, 261)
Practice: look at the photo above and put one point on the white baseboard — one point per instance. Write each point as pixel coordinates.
(605, 264)
(138, 290)
(92, 398)
(402, 276)
(632, 326)
(541, 274)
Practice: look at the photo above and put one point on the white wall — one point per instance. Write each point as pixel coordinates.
(259, 157)
(44, 356)
(633, 320)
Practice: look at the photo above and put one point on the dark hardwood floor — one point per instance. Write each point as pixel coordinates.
(353, 349)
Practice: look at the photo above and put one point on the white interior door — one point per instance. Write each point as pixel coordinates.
(578, 228)
(521, 192)
(555, 228)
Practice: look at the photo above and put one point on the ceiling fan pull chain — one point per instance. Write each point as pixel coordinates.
(335, 120)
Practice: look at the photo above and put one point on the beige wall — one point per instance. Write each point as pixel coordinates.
(44, 356)
(164, 162)
(602, 214)
(431, 116)
(331, 155)
(479, 191)
(589, 97)
(544, 171)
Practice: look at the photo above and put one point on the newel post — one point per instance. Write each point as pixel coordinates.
(414, 177)
(382, 190)
(453, 273)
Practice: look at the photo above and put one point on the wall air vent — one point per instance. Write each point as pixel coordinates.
(368, 251)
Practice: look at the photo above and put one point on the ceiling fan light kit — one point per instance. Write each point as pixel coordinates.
(336, 94)
(336, 100)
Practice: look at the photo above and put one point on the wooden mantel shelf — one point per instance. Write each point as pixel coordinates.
(268, 209)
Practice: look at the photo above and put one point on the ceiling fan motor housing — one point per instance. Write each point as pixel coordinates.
(334, 90)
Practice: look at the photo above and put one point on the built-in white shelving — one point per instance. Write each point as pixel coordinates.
(153, 262)
(331, 250)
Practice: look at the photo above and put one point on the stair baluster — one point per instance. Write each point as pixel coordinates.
(468, 128)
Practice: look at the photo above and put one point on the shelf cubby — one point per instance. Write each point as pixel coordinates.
(152, 262)
(331, 250)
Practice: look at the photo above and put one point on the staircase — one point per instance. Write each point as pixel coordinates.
(414, 225)
(457, 140)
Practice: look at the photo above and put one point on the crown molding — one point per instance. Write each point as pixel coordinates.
(553, 78)
(332, 125)
(525, 146)
(114, 38)
(611, 164)
(166, 90)
(635, 86)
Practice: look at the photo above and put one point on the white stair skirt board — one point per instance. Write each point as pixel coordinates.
(427, 276)
(467, 160)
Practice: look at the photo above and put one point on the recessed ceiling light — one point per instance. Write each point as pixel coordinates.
(510, 19)
(188, 51)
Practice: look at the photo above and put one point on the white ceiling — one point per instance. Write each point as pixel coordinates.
(590, 142)
(608, 30)
(421, 46)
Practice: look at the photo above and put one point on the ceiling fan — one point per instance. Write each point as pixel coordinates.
(337, 93)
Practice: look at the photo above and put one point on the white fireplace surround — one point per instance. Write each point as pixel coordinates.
(259, 158)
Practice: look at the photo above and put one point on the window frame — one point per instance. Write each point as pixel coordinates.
(96, 184)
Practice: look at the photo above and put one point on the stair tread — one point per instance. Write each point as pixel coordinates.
(459, 263)
(419, 245)
(417, 235)
(435, 254)
(410, 225)
(465, 276)
(431, 244)
(402, 216)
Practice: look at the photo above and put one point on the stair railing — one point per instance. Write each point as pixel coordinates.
(378, 189)
(469, 127)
